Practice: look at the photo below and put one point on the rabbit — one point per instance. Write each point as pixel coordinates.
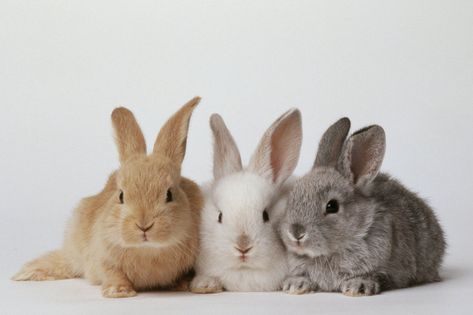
(240, 249)
(353, 230)
(141, 231)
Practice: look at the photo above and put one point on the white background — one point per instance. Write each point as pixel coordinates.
(64, 65)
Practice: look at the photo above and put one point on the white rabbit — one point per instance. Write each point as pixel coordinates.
(240, 248)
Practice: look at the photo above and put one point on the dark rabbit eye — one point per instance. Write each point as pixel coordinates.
(120, 196)
(265, 216)
(169, 196)
(220, 217)
(332, 206)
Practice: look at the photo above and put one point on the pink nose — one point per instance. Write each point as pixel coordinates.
(244, 250)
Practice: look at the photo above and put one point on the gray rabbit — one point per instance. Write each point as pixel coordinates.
(353, 230)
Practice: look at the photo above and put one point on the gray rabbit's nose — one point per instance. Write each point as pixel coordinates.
(297, 231)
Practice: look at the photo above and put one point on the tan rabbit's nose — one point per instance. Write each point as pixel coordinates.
(144, 229)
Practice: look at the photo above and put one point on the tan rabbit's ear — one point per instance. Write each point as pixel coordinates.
(172, 138)
(331, 144)
(128, 136)
(363, 155)
(278, 151)
(227, 158)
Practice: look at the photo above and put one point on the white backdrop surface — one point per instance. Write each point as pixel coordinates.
(64, 65)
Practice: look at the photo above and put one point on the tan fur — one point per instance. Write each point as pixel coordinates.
(103, 241)
(172, 138)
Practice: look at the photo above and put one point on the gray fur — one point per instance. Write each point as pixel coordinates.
(383, 236)
(331, 144)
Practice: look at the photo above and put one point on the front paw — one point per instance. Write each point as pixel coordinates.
(297, 285)
(360, 287)
(204, 284)
(118, 291)
(182, 286)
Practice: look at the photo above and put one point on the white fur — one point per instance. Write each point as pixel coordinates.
(242, 197)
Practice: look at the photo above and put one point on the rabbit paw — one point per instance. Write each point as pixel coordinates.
(297, 285)
(118, 291)
(35, 275)
(181, 286)
(203, 284)
(360, 287)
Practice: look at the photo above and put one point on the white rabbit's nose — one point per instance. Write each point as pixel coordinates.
(243, 243)
(243, 250)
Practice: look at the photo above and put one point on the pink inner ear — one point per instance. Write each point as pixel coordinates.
(276, 163)
(364, 157)
(280, 152)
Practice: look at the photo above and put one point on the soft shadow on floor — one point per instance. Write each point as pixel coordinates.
(450, 273)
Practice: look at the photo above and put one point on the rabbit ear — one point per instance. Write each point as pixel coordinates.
(363, 155)
(172, 138)
(128, 135)
(278, 151)
(227, 158)
(331, 144)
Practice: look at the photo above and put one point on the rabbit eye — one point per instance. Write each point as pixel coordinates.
(331, 207)
(220, 217)
(265, 216)
(120, 196)
(169, 196)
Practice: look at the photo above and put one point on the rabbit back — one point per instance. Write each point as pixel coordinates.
(418, 242)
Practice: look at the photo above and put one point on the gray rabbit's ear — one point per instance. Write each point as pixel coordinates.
(363, 155)
(227, 158)
(278, 151)
(331, 144)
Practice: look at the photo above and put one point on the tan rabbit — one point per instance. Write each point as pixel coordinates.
(141, 231)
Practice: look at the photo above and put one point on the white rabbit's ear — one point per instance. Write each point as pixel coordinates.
(128, 136)
(363, 155)
(227, 158)
(331, 144)
(278, 151)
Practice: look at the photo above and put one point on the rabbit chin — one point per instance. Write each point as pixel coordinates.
(250, 261)
(244, 263)
(301, 250)
(253, 277)
(150, 243)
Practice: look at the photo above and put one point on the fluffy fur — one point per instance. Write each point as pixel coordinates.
(382, 237)
(141, 231)
(240, 249)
